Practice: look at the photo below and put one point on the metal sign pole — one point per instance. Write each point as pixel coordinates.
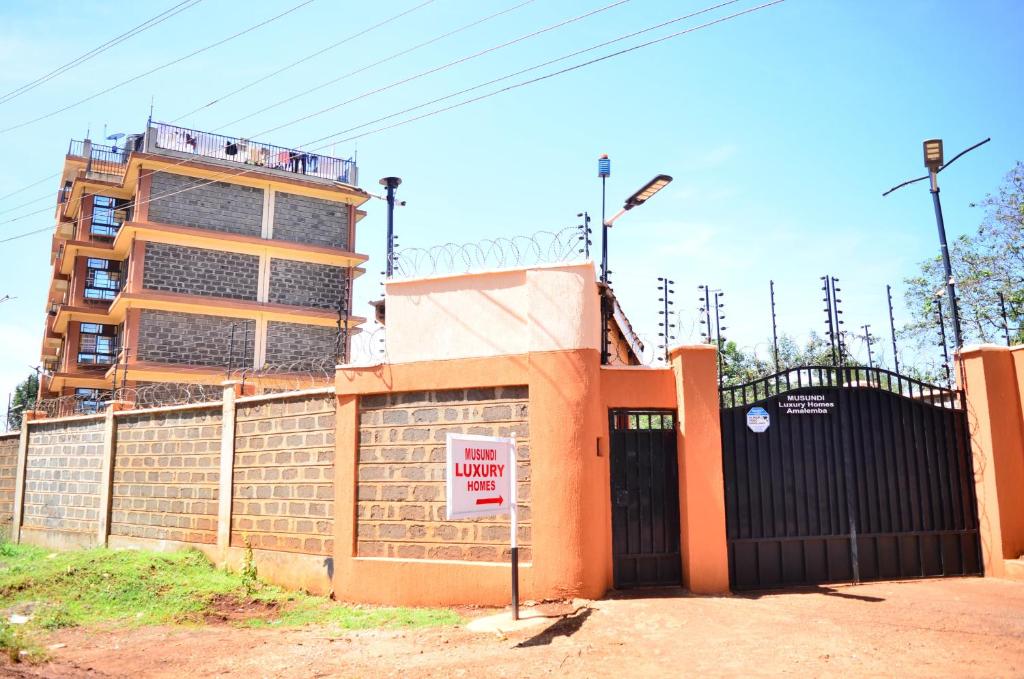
(513, 463)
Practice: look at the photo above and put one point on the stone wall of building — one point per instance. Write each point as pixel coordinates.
(165, 476)
(313, 221)
(306, 284)
(401, 484)
(63, 476)
(198, 271)
(284, 475)
(8, 466)
(297, 343)
(171, 337)
(218, 206)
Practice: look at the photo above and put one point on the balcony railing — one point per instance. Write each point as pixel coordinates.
(256, 154)
(100, 158)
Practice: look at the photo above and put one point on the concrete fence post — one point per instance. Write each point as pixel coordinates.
(106, 475)
(703, 546)
(992, 378)
(227, 471)
(19, 481)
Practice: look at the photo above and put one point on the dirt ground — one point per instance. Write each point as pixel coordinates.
(954, 627)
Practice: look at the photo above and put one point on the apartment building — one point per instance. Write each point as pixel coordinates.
(182, 256)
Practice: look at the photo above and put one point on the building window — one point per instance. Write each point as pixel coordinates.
(102, 279)
(108, 214)
(90, 401)
(97, 344)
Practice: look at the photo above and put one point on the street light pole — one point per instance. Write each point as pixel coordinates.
(391, 183)
(641, 196)
(933, 160)
(933, 176)
(604, 170)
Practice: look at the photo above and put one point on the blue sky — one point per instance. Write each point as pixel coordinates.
(781, 128)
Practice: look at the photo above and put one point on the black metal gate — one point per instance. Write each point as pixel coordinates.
(839, 474)
(645, 499)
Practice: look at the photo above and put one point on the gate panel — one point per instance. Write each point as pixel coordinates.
(871, 481)
(645, 499)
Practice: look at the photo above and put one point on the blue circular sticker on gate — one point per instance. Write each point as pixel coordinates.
(758, 420)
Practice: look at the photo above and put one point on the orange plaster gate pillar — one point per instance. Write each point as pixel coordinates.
(993, 380)
(703, 544)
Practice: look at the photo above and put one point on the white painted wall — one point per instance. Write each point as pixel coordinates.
(496, 313)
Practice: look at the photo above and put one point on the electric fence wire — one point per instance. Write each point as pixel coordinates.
(144, 26)
(229, 174)
(151, 71)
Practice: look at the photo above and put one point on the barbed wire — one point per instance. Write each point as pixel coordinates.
(542, 247)
(158, 394)
(296, 375)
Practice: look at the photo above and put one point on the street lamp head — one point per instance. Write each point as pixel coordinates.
(604, 166)
(933, 154)
(648, 190)
(391, 182)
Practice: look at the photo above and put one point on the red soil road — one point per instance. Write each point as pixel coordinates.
(954, 627)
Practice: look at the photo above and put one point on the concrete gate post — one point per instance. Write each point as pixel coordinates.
(701, 487)
(993, 379)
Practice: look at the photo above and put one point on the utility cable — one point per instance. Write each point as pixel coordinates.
(158, 68)
(304, 59)
(560, 72)
(527, 70)
(222, 176)
(144, 26)
(29, 186)
(436, 69)
(367, 67)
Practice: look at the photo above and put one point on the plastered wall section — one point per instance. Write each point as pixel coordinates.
(165, 476)
(284, 475)
(497, 313)
(401, 511)
(8, 466)
(62, 482)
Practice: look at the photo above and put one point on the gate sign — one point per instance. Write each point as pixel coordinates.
(758, 420)
(480, 475)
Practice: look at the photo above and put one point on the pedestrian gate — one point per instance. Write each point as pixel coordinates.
(645, 499)
(837, 474)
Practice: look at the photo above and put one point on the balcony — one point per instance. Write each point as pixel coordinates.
(183, 142)
(101, 161)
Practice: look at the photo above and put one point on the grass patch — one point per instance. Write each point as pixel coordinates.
(128, 587)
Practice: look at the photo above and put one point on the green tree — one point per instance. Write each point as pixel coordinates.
(985, 263)
(740, 366)
(24, 397)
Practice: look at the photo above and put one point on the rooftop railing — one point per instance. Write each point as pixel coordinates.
(100, 158)
(256, 154)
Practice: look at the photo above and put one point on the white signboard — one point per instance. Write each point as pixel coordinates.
(758, 420)
(480, 475)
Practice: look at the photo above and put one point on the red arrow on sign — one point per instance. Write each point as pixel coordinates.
(490, 500)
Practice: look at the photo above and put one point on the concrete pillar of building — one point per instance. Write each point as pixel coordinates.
(993, 379)
(106, 475)
(227, 469)
(703, 544)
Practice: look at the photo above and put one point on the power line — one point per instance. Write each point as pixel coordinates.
(529, 69)
(29, 186)
(443, 67)
(144, 26)
(561, 72)
(305, 59)
(48, 196)
(158, 68)
(223, 175)
(367, 67)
